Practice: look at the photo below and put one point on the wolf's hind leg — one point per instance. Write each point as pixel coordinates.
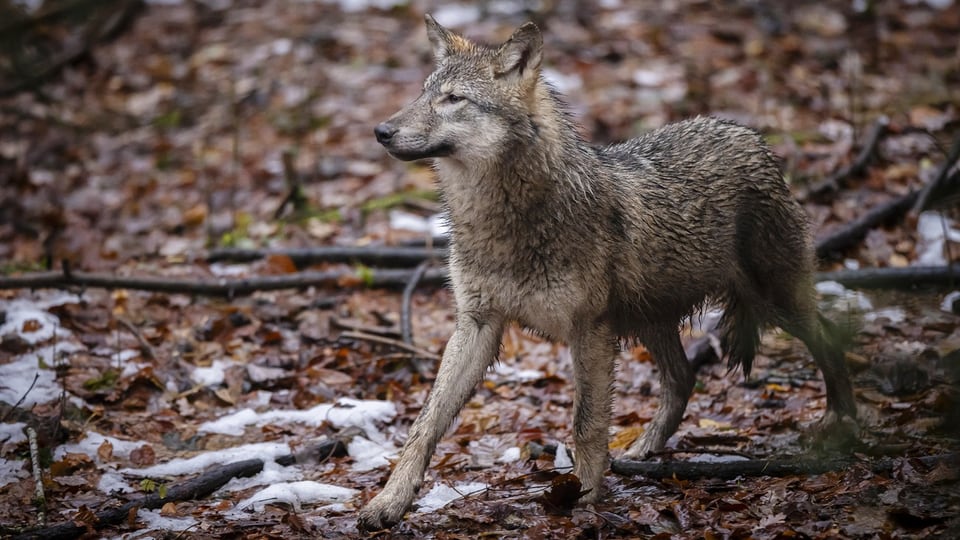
(676, 385)
(594, 352)
(472, 348)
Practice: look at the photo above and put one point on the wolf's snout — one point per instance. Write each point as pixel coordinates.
(384, 132)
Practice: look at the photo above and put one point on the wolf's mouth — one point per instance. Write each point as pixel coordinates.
(404, 154)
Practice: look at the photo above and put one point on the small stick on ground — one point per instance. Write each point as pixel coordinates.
(295, 197)
(39, 499)
(406, 323)
(145, 346)
(406, 326)
(36, 377)
(362, 336)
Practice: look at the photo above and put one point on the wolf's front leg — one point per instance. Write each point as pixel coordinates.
(471, 349)
(594, 352)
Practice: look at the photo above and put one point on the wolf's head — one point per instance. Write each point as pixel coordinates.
(476, 103)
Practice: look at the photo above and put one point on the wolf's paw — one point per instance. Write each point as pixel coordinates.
(381, 512)
(834, 433)
(644, 447)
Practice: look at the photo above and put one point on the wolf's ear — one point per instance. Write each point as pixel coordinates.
(520, 56)
(444, 41)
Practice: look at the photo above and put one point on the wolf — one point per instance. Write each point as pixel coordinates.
(595, 246)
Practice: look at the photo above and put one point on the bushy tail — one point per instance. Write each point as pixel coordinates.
(740, 331)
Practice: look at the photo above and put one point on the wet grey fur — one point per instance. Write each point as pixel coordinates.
(592, 245)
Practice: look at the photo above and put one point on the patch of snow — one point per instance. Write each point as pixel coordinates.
(501, 372)
(509, 455)
(229, 270)
(113, 482)
(92, 442)
(353, 6)
(851, 264)
(706, 321)
(948, 301)
(716, 458)
(33, 313)
(213, 374)
(345, 412)
(931, 228)
(434, 225)
(894, 314)
(153, 520)
(12, 471)
(272, 473)
(12, 433)
(131, 368)
(368, 455)
(842, 297)
(562, 463)
(441, 495)
(195, 464)
(17, 376)
(297, 494)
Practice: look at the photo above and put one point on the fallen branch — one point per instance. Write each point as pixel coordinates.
(690, 470)
(388, 278)
(382, 256)
(851, 233)
(908, 278)
(195, 488)
(838, 180)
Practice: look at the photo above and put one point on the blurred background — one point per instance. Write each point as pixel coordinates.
(160, 127)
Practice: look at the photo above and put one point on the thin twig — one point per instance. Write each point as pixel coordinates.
(390, 342)
(406, 326)
(39, 499)
(838, 180)
(145, 346)
(36, 376)
(295, 197)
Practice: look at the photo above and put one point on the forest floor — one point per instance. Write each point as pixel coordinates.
(188, 131)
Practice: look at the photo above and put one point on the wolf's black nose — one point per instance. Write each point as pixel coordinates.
(384, 132)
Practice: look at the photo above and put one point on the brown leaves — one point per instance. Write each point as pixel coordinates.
(563, 494)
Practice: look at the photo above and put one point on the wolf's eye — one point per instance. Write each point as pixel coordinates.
(453, 98)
